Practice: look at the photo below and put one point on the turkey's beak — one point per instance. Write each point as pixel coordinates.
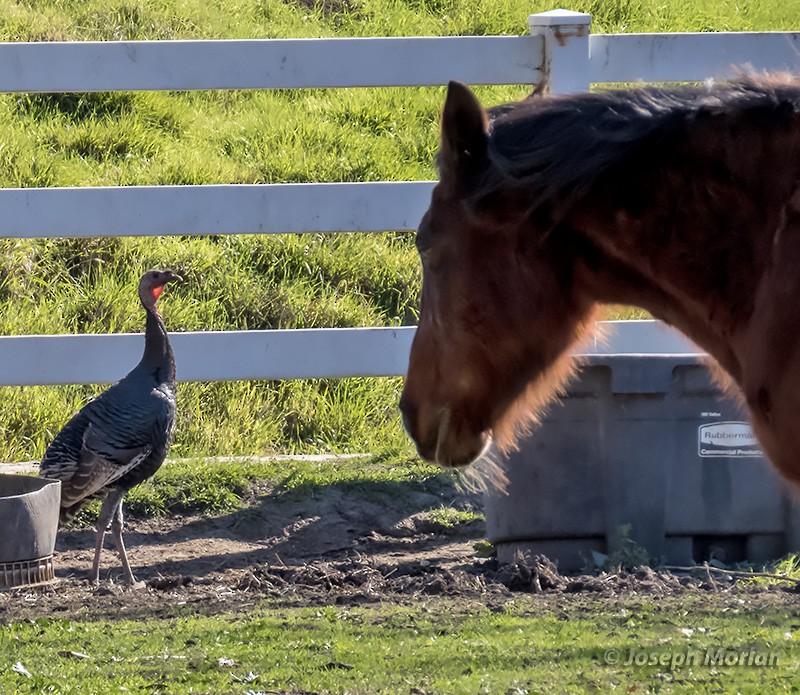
(172, 277)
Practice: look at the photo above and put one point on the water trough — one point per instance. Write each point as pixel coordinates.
(645, 440)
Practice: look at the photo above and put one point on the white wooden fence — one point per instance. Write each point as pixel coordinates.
(559, 47)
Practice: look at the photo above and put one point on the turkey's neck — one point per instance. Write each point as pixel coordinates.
(157, 357)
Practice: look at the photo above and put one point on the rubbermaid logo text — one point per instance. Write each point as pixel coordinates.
(727, 439)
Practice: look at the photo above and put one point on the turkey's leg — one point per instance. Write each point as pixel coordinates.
(108, 510)
(116, 531)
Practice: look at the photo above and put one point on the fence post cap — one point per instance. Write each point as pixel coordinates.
(560, 16)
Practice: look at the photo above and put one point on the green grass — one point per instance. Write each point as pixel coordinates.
(788, 566)
(250, 282)
(438, 647)
(448, 518)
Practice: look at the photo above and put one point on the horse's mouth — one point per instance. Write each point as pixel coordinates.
(452, 447)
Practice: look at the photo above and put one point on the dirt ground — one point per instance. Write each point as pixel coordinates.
(334, 547)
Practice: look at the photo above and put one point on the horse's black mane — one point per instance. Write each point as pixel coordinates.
(560, 145)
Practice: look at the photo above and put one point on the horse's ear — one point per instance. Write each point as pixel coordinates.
(464, 127)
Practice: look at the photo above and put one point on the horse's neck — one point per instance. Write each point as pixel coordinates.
(692, 240)
(616, 281)
(684, 267)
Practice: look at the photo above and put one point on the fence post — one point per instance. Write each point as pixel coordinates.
(566, 48)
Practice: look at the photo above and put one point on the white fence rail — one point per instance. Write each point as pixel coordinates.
(95, 66)
(559, 47)
(218, 209)
(689, 57)
(223, 355)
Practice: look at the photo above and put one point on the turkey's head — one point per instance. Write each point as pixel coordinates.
(152, 285)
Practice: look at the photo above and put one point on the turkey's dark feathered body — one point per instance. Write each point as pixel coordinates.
(121, 437)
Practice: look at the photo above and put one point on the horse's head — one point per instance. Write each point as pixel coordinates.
(498, 307)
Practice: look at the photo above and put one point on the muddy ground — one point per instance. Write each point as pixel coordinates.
(337, 546)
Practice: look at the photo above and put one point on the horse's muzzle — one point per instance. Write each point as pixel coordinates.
(438, 441)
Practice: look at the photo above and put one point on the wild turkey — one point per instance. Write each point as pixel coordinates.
(121, 437)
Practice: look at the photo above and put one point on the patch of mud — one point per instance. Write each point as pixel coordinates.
(336, 546)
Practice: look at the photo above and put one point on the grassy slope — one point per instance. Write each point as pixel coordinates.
(237, 283)
(247, 282)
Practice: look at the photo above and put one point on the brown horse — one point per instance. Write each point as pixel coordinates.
(684, 201)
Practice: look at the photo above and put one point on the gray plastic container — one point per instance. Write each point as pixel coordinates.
(649, 441)
(29, 508)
